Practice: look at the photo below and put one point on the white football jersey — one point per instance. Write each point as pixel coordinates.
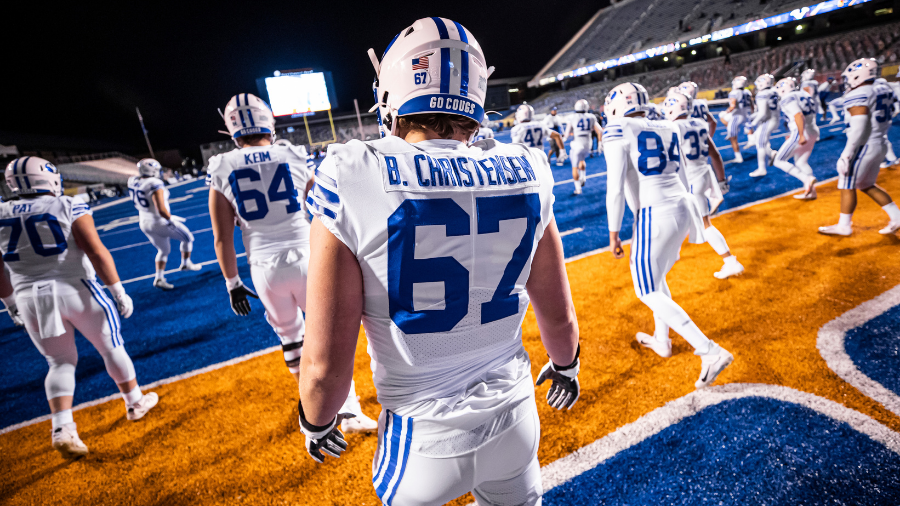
(693, 135)
(701, 109)
(264, 185)
(799, 102)
(766, 106)
(879, 98)
(484, 133)
(654, 112)
(811, 87)
(744, 100)
(444, 234)
(581, 124)
(553, 123)
(649, 170)
(530, 133)
(140, 189)
(37, 243)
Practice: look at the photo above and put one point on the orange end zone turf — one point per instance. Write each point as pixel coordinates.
(230, 436)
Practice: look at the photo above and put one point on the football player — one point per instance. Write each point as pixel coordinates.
(701, 107)
(643, 163)
(809, 84)
(867, 111)
(439, 246)
(655, 112)
(484, 132)
(581, 124)
(258, 188)
(151, 199)
(52, 290)
(740, 106)
(890, 158)
(532, 134)
(800, 110)
(705, 181)
(553, 122)
(763, 122)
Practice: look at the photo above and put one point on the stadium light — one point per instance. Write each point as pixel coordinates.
(693, 51)
(277, 73)
(666, 58)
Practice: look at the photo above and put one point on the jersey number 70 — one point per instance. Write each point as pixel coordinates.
(404, 269)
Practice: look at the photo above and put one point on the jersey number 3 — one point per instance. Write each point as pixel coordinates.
(282, 176)
(404, 269)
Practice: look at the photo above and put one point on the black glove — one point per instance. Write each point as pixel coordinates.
(326, 439)
(239, 303)
(565, 390)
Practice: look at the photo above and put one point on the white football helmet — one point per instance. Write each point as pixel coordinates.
(785, 86)
(524, 113)
(433, 66)
(582, 106)
(283, 142)
(31, 175)
(148, 167)
(689, 88)
(808, 75)
(625, 99)
(860, 71)
(247, 114)
(676, 105)
(764, 82)
(739, 83)
(881, 80)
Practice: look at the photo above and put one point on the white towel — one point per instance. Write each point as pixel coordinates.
(50, 322)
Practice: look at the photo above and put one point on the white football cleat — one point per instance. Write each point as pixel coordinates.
(577, 189)
(358, 425)
(809, 191)
(162, 284)
(838, 229)
(66, 441)
(190, 266)
(738, 158)
(885, 164)
(712, 363)
(138, 410)
(891, 228)
(664, 349)
(759, 173)
(732, 268)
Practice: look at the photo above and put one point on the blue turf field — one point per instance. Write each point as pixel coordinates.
(193, 326)
(875, 348)
(749, 451)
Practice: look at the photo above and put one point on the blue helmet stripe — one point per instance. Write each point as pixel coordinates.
(246, 99)
(243, 123)
(464, 62)
(442, 28)
(445, 70)
(388, 48)
(16, 166)
(238, 98)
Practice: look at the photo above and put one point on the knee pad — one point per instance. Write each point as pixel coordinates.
(161, 255)
(60, 380)
(187, 246)
(291, 335)
(118, 365)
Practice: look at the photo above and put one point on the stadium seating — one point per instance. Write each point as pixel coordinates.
(827, 54)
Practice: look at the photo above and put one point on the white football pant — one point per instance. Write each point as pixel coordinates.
(864, 167)
(763, 131)
(792, 148)
(504, 471)
(160, 232)
(89, 310)
(578, 152)
(280, 282)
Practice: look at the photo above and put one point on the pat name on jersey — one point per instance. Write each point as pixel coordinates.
(422, 172)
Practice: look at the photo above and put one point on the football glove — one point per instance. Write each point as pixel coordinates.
(123, 302)
(562, 157)
(565, 390)
(843, 165)
(323, 440)
(725, 185)
(176, 219)
(239, 303)
(15, 316)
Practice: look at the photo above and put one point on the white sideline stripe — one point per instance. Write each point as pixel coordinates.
(126, 199)
(831, 346)
(726, 211)
(201, 189)
(149, 386)
(590, 456)
(586, 177)
(571, 231)
(120, 248)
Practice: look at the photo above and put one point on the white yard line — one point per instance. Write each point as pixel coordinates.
(571, 231)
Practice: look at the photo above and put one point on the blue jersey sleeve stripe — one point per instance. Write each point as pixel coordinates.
(326, 179)
(320, 209)
(325, 193)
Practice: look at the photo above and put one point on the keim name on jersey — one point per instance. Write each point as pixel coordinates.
(257, 157)
(422, 172)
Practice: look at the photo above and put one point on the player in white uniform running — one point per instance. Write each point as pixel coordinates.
(484, 132)
(532, 134)
(740, 107)
(643, 164)
(52, 290)
(151, 199)
(800, 110)
(763, 122)
(439, 246)
(867, 111)
(554, 122)
(581, 124)
(701, 107)
(706, 182)
(890, 158)
(258, 188)
(809, 84)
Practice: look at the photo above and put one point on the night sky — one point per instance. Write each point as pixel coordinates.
(76, 73)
